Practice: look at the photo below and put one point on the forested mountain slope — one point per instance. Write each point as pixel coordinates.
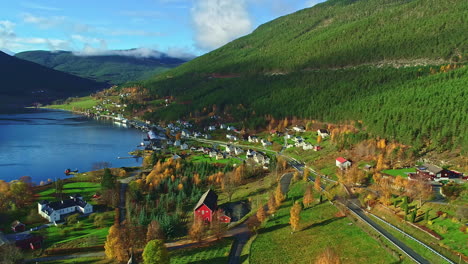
(113, 69)
(25, 82)
(382, 62)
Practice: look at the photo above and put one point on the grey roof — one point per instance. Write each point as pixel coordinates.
(57, 205)
(209, 198)
(432, 168)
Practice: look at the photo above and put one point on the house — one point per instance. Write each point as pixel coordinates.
(238, 151)
(265, 142)
(298, 139)
(213, 153)
(169, 142)
(185, 133)
(433, 172)
(28, 241)
(230, 148)
(17, 226)
(250, 153)
(184, 146)
(231, 128)
(177, 143)
(56, 211)
(259, 158)
(211, 128)
(176, 157)
(207, 136)
(221, 155)
(289, 136)
(225, 219)
(307, 146)
(231, 137)
(197, 134)
(317, 147)
(343, 163)
(206, 206)
(299, 128)
(222, 126)
(323, 133)
(253, 139)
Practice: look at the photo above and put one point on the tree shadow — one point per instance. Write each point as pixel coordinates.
(272, 228)
(323, 223)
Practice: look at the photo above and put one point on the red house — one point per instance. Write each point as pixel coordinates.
(206, 207)
(207, 204)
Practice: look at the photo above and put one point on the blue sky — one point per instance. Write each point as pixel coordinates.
(177, 27)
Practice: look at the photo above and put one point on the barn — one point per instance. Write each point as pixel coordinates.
(206, 206)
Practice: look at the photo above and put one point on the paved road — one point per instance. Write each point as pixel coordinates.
(410, 252)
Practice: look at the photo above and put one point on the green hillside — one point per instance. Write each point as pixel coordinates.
(112, 69)
(24, 82)
(378, 61)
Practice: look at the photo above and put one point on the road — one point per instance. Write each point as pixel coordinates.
(402, 246)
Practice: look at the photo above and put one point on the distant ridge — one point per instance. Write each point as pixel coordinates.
(24, 82)
(110, 67)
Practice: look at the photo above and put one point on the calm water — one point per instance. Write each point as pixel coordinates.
(43, 143)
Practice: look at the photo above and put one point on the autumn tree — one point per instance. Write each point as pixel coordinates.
(154, 231)
(305, 174)
(279, 196)
(319, 139)
(295, 216)
(261, 214)
(156, 252)
(328, 256)
(218, 228)
(317, 183)
(420, 190)
(228, 184)
(308, 196)
(272, 204)
(296, 176)
(197, 229)
(116, 243)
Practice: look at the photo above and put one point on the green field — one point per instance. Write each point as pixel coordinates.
(84, 260)
(85, 236)
(320, 228)
(80, 103)
(400, 172)
(86, 189)
(216, 253)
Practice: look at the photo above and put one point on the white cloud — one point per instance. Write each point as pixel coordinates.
(181, 53)
(103, 51)
(43, 22)
(85, 39)
(217, 22)
(39, 6)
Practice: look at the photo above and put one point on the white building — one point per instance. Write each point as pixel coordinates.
(343, 163)
(56, 211)
(299, 128)
(323, 133)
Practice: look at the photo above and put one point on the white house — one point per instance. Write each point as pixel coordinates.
(184, 146)
(265, 142)
(238, 151)
(307, 146)
(250, 153)
(299, 128)
(231, 137)
(222, 126)
(289, 136)
(323, 133)
(229, 148)
(211, 128)
(177, 143)
(231, 128)
(343, 163)
(56, 211)
(185, 133)
(253, 139)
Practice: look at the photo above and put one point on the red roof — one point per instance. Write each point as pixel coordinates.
(341, 160)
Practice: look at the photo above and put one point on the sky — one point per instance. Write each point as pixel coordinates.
(180, 28)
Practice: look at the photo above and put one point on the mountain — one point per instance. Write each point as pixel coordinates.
(24, 82)
(113, 69)
(394, 67)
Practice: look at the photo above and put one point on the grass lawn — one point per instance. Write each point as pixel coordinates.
(81, 103)
(86, 189)
(399, 172)
(215, 253)
(87, 235)
(320, 228)
(85, 260)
